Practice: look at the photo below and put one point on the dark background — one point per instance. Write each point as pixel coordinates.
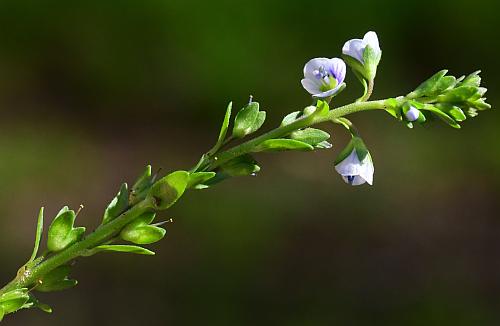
(92, 91)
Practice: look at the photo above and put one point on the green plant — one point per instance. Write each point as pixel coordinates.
(127, 222)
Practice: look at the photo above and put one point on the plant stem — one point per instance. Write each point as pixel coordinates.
(30, 276)
(248, 146)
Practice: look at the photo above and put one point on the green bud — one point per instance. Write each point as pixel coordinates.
(61, 232)
(166, 191)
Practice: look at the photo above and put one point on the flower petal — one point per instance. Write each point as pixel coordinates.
(358, 180)
(311, 86)
(328, 93)
(367, 169)
(354, 48)
(350, 165)
(338, 68)
(412, 114)
(371, 39)
(314, 64)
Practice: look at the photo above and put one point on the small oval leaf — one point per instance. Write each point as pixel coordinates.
(282, 145)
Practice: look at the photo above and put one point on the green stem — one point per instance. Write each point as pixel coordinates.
(30, 276)
(248, 146)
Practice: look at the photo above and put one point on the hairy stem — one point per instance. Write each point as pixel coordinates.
(30, 276)
(248, 146)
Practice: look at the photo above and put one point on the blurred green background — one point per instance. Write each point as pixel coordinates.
(92, 91)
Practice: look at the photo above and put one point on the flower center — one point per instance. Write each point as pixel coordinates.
(328, 79)
(350, 179)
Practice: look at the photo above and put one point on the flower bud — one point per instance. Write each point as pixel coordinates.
(363, 55)
(412, 114)
(355, 164)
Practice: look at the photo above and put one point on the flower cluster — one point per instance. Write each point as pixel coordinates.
(324, 79)
(446, 97)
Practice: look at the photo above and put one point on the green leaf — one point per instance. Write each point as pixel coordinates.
(393, 108)
(459, 94)
(443, 116)
(322, 107)
(125, 248)
(454, 111)
(61, 233)
(146, 234)
(245, 120)
(166, 191)
(56, 280)
(13, 301)
(243, 165)
(141, 186)
(117, 206)
(356, 143)
(2, 313)
(282, 145)
(428, 87)
(291, 117)
(480, 104)
(140, 232)
(444, 84)
(34, 302)
(472, 80)
(310, 136)
(324, 145)
(259, 121)
(197, 179)
(225, 123)
(223, 129)
(38, 235)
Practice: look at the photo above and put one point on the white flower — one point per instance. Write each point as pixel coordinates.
(356, 47)
(324, 77)
(412, 114)
(354, 171)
